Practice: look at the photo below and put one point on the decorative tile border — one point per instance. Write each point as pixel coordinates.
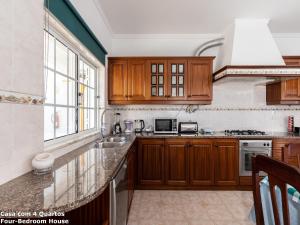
(205, 108)
(20, 98)
(259, 71)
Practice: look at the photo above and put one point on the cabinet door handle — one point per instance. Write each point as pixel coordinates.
(126, 96)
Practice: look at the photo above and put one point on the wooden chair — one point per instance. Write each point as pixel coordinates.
(280, 174)
(291, 154)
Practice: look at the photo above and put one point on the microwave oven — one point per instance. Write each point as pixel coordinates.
(165, 126)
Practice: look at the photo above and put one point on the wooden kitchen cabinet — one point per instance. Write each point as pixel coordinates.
(131, 173)
(176, 162)
(285, 92)
(279, 143)
(226, 160)
(156, 80)
(201, 162)
(177, 80)
(160, 80)
(126, 80)
(199, 86)
(117, 80)
(151, 162)
(136, 80)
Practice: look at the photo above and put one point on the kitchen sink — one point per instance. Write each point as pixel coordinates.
(110, 144)
(115, 139)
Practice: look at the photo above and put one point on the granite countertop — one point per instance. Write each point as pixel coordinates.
(269, 135)
(82, 175)
(78, 177)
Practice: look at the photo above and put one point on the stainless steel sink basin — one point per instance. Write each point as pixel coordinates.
(110, 144)
(116, 139)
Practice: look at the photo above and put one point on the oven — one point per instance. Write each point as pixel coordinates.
(165, 126)
(250, 148)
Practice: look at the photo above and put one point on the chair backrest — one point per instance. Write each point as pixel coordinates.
(291, 154)
(280, 174)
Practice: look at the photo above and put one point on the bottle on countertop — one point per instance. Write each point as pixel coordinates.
(290, 124)
(117, 125)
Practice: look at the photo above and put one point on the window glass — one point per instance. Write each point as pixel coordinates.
(61, 90)
(61, 58)
(72, 121)
(49, 86)
(49, 51)
(70, 93)
(48, 122)
(92, 116)
(72, 64)
(61, 121)
(91, 95)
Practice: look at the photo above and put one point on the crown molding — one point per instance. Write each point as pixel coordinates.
(167, 36)
(191, 36)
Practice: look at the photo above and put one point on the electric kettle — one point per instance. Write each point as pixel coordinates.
(139, 125)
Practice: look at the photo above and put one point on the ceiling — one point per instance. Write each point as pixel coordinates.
(197, 16)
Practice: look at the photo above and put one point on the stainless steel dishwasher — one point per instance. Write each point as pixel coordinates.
(119, 196)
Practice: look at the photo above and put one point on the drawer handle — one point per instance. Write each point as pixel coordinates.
(189, 95)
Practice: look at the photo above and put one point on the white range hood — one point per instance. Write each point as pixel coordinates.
(249, 50)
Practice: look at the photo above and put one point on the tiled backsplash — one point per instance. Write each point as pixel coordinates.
(237, 104)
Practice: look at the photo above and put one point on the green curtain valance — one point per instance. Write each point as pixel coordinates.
(65, 12)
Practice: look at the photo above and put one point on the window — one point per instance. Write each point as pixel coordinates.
(70, 90)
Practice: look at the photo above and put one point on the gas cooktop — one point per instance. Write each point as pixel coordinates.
(245, 132)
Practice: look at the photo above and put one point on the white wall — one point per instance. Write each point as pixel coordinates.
(185, 45)
(21, 56)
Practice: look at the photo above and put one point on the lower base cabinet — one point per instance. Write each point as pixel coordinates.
(226, 160)
(95, 212)
(150, 162)
(187, 163)
(201, 162)
(176, 162)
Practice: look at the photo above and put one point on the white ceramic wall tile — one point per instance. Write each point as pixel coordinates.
(6, 29)
(23, 132)
(21, 56)
(27, 46)
(6, 134)
(21, 46)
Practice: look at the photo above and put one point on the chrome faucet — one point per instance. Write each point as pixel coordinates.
(102, 128)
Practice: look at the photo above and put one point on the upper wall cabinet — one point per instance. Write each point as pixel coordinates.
(160, 80)
(117, 80)
(136, 86)
(200, 80)
(285, 92)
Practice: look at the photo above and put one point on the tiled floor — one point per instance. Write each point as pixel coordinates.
(190, 208)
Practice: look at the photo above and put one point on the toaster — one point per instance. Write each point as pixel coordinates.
(188, 127)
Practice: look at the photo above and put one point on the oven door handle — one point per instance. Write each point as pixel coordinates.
(255, 151)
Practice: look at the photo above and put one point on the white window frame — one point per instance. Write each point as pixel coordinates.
(84, 55)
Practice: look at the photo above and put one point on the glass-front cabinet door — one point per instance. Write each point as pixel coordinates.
(157, 71)
(177, 79)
